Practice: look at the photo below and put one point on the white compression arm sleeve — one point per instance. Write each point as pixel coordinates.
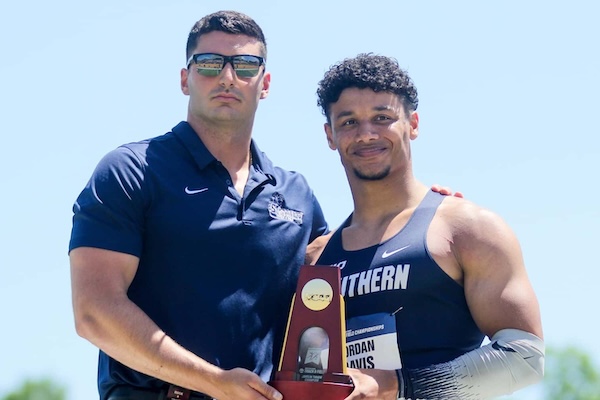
(512, 360)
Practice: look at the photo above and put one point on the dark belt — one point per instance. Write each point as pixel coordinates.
(170, 393)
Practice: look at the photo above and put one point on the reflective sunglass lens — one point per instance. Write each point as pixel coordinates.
(245, 66)
(209, 71)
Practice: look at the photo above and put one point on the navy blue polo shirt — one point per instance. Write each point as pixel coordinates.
(217, 270)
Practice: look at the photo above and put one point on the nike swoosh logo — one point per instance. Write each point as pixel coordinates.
(194, 191)
(499, 347)
(391, 253)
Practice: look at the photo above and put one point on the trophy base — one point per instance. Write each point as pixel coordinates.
(299, 390)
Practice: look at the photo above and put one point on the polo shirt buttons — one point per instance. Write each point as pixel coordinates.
(228, 182)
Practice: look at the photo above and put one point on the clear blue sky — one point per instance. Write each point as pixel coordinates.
(508, 108)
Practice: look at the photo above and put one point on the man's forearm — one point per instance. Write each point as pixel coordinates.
(124, 332)
(511, 361)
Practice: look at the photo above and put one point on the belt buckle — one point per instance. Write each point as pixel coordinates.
(177, 393)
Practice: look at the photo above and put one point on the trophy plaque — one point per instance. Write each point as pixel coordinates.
(313, 360)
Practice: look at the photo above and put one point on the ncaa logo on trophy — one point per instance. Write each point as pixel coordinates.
(313, 360)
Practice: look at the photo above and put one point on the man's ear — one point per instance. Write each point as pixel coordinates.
(266, 85)
(184, 81)
(329, 134)
(414, 125)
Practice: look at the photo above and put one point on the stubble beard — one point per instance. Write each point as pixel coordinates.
(373, 176)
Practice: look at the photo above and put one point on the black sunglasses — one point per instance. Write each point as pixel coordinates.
(211, 64)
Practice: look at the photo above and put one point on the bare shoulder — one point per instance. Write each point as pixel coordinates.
(466, 238)
(469, 221)
(315, 248)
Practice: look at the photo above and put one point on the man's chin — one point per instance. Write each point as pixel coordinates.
(372, 175)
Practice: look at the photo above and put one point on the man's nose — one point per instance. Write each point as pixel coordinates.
(227, 74)
(365, 132)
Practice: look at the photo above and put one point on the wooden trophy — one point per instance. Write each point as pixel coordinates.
(313, 361)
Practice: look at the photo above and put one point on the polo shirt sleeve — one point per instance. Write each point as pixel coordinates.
(109, 212)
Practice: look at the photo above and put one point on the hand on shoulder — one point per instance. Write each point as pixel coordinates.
(445, 190)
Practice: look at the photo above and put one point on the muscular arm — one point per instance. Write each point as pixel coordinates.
(106, 317)
(483, 255)
(488, 258)
(497, 288)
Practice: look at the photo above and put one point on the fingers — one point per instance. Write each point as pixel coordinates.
(373, 384)
(441, 189)
(267, 391)
(445, 190)
(241, 384)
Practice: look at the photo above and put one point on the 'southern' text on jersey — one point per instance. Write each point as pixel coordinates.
(378, 279)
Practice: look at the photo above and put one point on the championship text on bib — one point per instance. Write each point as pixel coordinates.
(371, 342)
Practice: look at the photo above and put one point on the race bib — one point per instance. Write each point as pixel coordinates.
(371, 342)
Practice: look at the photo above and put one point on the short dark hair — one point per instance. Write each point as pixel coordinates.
(233, 22)
(366, 70)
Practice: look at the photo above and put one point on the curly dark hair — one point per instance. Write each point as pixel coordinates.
(366, 70)
(233, 22)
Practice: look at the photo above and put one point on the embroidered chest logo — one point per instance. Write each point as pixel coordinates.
(277, 210)
(194, 191)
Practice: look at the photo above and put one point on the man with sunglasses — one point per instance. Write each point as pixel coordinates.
(185, 248)
(424, 277)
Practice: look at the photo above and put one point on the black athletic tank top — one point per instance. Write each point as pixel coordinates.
(399, 277)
